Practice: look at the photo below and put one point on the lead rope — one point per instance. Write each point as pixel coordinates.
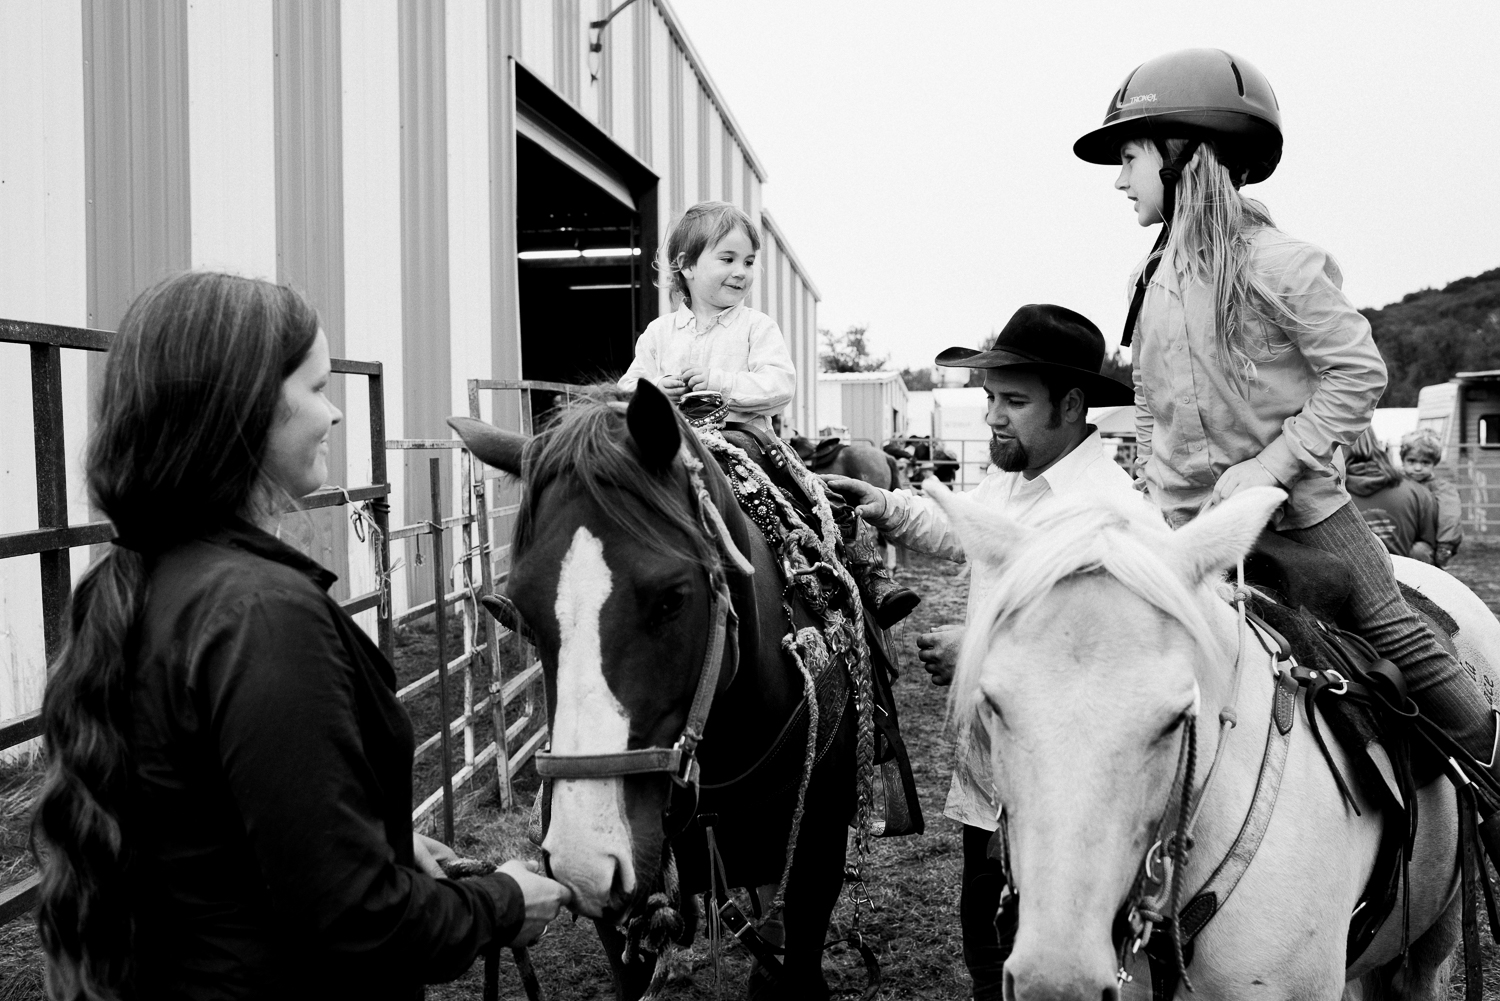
(663, 927)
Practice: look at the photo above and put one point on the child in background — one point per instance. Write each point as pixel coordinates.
(1421, 451)
(716, 343)
(1400, 511)
(1251, 367)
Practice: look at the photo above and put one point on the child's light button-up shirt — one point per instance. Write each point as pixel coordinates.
(1315, 386)
(743, 352)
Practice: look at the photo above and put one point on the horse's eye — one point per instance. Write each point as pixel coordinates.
(666, 607)
(1170, 730)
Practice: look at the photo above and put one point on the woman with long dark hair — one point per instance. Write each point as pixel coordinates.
(227, 811)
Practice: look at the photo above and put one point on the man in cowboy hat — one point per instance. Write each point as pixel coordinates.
(1040, 377)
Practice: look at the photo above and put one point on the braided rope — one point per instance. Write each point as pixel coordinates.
(846, 637)
(802, 646)
(664, 927)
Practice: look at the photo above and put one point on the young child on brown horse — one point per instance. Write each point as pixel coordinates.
(715, 343)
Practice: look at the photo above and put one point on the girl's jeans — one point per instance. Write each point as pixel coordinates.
(1441, 686)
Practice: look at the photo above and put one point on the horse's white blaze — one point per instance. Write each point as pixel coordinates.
(588, 836)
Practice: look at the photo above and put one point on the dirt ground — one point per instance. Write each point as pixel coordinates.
(913, 881)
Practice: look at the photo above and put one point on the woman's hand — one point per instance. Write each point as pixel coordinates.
(429, 853)
(868, 500)
(672, 386)
(544, 899)
(1242, 476)
(696, 379)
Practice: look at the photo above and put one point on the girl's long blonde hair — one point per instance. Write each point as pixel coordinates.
(1210, 243)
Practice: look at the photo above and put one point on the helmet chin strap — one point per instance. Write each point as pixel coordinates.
(1171, 173)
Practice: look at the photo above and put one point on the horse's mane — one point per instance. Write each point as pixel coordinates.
(1081, 537)
(586, 444)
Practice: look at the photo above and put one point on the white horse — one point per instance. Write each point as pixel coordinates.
(1104, 633)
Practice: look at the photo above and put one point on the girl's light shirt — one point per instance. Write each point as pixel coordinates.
(743, 352)
(1315, 389)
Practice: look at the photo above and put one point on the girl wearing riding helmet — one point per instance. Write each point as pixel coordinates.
(1251, 367)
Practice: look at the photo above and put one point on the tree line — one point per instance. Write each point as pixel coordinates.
(1425, 338)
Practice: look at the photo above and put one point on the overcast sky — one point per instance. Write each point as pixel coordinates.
(920, 154)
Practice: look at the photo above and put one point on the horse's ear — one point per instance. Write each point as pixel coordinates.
(1216, 540)
(653, 427)
(987, 536)
(490, 445)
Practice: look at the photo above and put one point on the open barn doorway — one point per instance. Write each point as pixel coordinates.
(580, 271)
(586, 236)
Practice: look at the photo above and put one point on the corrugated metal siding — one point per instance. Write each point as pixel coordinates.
(505, 297)
(309, 216)
(425, 355)
(351, 167)
(136, 152)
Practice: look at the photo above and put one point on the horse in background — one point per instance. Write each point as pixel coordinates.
(929, 459)
(855, 459)
(1105, 638)
(614, 570)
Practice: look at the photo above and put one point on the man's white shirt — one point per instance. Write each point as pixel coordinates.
(917, 523)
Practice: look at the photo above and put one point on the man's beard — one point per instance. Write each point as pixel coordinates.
(1009, 454)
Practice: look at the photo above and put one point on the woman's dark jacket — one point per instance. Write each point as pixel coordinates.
(270, 827)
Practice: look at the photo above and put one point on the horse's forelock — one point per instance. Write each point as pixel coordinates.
(587, 445)
(1072, 540)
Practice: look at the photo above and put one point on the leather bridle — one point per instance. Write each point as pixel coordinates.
(679, 761)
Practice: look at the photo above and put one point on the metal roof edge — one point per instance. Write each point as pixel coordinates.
(786, 247)
(674, 25)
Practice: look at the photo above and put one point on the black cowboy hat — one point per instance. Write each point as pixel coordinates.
(1042, 336)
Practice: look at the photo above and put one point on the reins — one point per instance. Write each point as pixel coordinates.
(680, 761)
(1156, 895)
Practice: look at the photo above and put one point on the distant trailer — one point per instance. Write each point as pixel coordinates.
(1464, 413)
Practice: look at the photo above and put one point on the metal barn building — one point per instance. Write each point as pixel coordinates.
(463, 189)
(862, 406)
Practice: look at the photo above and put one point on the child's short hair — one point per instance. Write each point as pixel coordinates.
(1423, 446)
(700, 228)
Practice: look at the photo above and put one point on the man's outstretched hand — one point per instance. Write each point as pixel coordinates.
(868, 501)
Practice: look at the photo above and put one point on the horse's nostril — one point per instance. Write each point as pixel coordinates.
(1110, 994)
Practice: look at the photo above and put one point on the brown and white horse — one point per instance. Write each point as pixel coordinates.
(614, 571)
(1105, 634)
